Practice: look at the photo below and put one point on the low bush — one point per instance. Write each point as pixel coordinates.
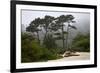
(81, 43)
(31, 51)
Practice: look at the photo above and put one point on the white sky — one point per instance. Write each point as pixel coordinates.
(82, 19)
(29, 15)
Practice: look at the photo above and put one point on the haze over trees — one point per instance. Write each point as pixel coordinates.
(35, 48)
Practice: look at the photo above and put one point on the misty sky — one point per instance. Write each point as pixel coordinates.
(82, 19)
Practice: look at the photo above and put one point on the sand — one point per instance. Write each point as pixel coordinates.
(82, 56)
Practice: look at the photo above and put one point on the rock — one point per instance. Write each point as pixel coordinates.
(74, 54)
(69, 53)
(66, 54)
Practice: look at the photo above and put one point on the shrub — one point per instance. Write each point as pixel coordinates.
(82, 43)
(31, 51)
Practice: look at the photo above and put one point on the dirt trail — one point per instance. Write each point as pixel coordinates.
(83, 56)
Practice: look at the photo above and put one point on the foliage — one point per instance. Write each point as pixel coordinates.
(31, 51)
(82, 43)
(49, 41)
(50, 23)
(33, 27)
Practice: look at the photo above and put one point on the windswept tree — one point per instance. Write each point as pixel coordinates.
(60, 23)
(34, 27)
(46, 23)
(69, 21)
(52, 24)
(37, 23)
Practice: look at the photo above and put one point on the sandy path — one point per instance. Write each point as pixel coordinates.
(83, 56)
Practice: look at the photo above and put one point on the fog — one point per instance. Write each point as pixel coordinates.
(82, 20)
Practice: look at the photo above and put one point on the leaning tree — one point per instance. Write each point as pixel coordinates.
(70, 19)
(60, 23)
(34, 27)
(61, 20)
(49, 23)
(46, 23)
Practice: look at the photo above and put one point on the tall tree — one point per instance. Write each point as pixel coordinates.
(70, 19)
(46, 23)
(60, 21)
(34, 27)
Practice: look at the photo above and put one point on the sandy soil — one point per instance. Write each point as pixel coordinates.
(82, 56)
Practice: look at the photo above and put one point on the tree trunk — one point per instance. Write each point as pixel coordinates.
(63, 37)
(46, 33)
(38, 37)
(67, 45)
